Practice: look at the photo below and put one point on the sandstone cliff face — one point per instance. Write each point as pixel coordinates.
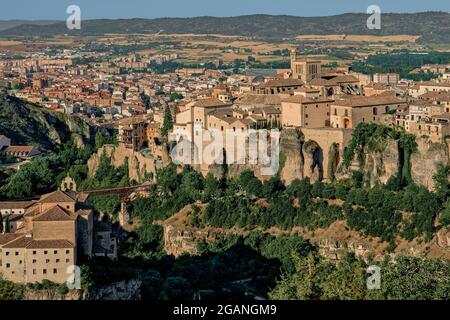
(291, 152)
(138, 164)
(333, 242)
(380, 166)
(51, 294)
(123, 290)
(426, 161)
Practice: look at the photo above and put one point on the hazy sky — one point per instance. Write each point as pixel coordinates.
(91, 9)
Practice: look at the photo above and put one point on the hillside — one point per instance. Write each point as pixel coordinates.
(433, 27)
(25, 123)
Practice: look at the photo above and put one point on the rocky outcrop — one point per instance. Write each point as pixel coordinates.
(52, 294)
(379, 166)
(291, 155)
(123, 290)
(138, 164)
(426, 161)
(27, 123)
(313, 155)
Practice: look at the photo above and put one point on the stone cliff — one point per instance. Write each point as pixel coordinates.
(138, 163)
(180, 237)
(27, 123)
(426, 161)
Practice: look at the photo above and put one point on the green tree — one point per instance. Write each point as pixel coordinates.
(167, 123)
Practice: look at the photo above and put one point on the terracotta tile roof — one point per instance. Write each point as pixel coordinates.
(436, 96)
(345, 79)
(13, 149)
(8, 237)
(15, 204)
(322, 82)
(21, 242)
(209, 102)
(58, 196)
(306, 100)
(57, 243)
(271, 110)
(55, 213)
(249, 99)
(27, 242)
(359, 101)
(281, 83)
(435, 84)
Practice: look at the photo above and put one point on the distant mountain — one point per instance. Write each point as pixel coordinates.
(8, 24)
(432, 26)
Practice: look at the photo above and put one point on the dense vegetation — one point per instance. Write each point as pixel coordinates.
(25, 123)
(401, 279)
(375, 137)
(402, 62)
(43, 174)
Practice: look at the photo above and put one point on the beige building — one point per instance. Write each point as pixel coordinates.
(386, 78)
(278, 86)
(300, 111)
(349, 112)
(49, 234)
(435, 128)
(304, 69)
(133, 133)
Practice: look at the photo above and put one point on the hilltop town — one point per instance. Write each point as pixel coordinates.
(103, 180)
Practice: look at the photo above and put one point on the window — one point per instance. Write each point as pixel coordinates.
(306, 115)
(34, 271)
(7, 265)
(34, 260)
(7, 253)
(45, 252)
(57, 260)
(67, 260)
(34, 252)
(335, 112)
(375, 111)
(55, 252)
(44, 271)
(346, 113)
(16, 253)
(47, 260)
(68, 207)
(55, 271)
(20, 261)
